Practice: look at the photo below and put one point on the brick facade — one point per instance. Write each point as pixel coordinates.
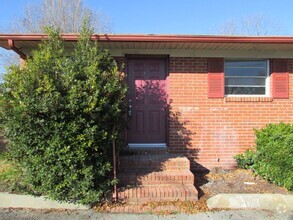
(211, 131)
(217, 129)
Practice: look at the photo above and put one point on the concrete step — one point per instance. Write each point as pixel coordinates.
(156, 178)
(170, 162)
(145, 194)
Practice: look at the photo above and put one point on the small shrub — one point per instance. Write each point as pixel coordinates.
(274, 154)
(246, 160)
(59, 112)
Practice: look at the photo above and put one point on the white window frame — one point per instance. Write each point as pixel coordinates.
(267, 80)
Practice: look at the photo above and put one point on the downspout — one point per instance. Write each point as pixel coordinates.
(115, 168)
(115, 172)
(12, 46)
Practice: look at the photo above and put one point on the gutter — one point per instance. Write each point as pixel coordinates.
(12, 46)
(155, 38)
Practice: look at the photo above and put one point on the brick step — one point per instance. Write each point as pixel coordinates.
(144, 194)
(154, 162)
(156, 178)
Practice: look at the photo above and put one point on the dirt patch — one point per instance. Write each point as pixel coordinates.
(234, 181)
(158, 208)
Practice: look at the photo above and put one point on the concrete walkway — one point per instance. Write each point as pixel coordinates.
(278, 202)
(8, 214)
(25, 201)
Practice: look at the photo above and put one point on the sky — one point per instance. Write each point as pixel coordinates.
(172, 16)
(188, 16)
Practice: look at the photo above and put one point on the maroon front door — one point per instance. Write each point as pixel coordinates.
(148, 101)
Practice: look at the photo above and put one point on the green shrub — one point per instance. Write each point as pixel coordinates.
(59, 112)
(274, 154)
(246, 160)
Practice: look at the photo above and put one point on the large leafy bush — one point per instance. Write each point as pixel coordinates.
(60, 112)
(273, 155)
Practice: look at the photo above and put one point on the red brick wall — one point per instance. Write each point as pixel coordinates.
(211, 131)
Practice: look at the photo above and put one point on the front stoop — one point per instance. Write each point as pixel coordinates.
(154, 177)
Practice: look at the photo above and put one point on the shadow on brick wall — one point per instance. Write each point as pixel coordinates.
(180, 139)
(179, 136)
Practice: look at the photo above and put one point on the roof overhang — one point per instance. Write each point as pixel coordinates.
(23, 44)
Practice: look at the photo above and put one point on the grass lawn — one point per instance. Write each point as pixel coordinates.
(10, 175)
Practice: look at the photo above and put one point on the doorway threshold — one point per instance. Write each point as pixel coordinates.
(147, 145)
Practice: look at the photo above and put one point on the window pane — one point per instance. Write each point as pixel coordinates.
(245, 81)
(245, 90)
(245, 71)
(245, 77)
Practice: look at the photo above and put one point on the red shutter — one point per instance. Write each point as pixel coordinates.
(280, 79)
(216, 83)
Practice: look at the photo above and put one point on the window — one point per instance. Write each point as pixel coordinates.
(246, 77)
